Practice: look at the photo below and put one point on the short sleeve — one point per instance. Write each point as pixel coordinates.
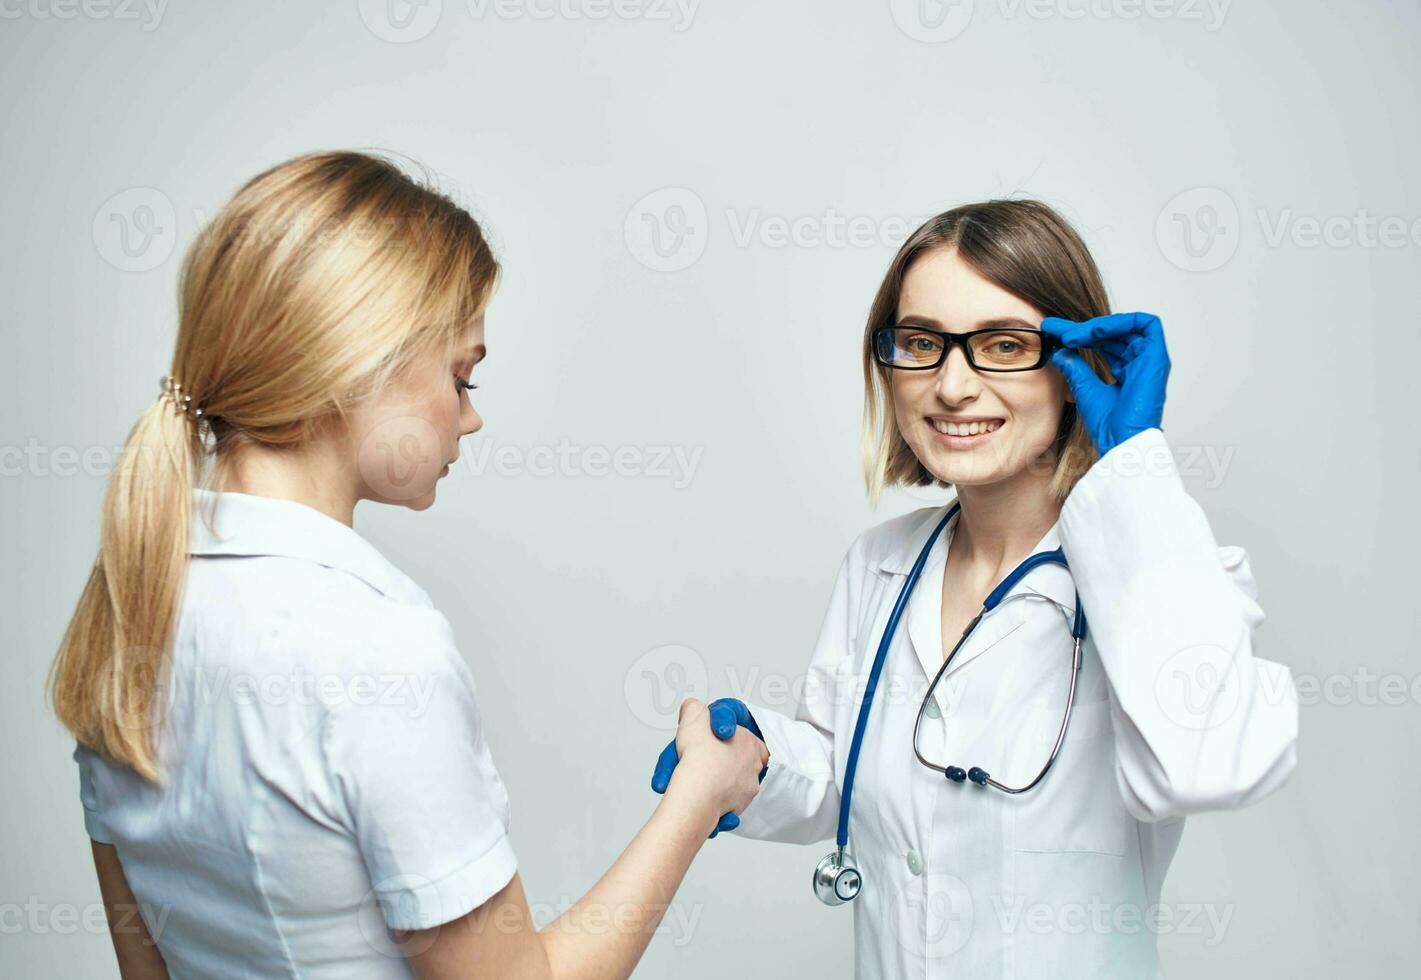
(89, 795)
(424, 801)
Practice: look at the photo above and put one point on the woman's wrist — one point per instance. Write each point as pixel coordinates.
(683, 805)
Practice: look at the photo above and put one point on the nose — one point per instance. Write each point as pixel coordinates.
(957, 380)
(470, 421)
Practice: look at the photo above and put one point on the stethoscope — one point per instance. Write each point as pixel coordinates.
(837, 879)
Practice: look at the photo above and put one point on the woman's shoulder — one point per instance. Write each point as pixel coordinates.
(314, 617)
(885, 544)
(380, 633)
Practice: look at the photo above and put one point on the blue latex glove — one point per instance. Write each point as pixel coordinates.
(726, 715)
(1133, 345)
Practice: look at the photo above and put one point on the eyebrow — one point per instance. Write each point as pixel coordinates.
(476, 353)
(1007, 322)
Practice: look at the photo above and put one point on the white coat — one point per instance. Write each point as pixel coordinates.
(1173, 715)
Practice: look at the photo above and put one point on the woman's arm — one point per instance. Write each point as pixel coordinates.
(607, 931)
(799, 797)
(1201, 723)
(138, 956)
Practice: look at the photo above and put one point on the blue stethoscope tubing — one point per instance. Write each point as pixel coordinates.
(837, 877)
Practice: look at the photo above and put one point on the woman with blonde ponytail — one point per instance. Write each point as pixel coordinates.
(252, 811)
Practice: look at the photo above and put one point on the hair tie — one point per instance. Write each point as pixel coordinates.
(172, 390)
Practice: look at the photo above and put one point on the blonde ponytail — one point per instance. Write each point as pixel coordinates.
(109, 670)
(322, 278)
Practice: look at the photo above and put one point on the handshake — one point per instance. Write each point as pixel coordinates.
(712, 759)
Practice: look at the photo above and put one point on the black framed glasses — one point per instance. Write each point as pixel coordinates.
(913, 348)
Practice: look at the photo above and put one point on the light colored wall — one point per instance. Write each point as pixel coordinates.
(799, 142)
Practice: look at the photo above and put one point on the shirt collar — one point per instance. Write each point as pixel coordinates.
(1049, 580)
(240, 524)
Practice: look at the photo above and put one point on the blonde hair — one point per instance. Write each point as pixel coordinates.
(1029, 250)
(322, 279)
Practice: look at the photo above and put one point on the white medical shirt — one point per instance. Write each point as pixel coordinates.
(325, 769)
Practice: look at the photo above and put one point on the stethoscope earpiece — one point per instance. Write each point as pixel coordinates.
(957, 774)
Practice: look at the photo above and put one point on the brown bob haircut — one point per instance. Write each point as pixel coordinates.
(1029, 250)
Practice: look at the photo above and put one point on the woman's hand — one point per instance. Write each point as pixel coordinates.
(499, 938)
(720, 773)
(1133, 346)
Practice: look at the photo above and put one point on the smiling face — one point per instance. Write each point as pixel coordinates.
(970, 427)
(407, 436)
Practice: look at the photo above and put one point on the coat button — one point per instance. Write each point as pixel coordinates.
(915, 862)
(932, 710)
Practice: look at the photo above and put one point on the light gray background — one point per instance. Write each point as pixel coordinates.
(1255, 125)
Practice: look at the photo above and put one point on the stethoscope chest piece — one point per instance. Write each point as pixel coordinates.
(837, 879)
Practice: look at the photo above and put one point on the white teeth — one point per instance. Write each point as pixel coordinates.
(965, 428)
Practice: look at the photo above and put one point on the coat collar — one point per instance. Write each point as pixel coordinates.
(1051, 581)
(923, 617)
(243, 525)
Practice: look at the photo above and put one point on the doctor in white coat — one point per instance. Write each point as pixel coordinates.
(992, 366)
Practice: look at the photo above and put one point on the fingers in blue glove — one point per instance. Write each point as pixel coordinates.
(727, 713)
(1089, 333)
(1080, 375)
(665, 766)
(1126, 340)
(728, 822)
